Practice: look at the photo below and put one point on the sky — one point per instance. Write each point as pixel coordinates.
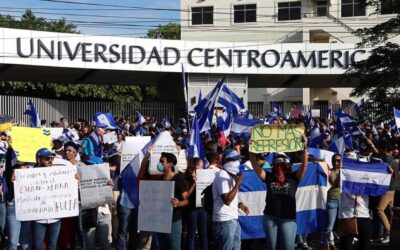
(96, 20)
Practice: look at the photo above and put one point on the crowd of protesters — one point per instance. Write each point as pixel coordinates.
(116, 224)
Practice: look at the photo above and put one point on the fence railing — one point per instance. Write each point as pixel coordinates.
(53, 110)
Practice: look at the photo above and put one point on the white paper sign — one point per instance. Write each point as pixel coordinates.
(315, 113)
(93, 186)
(163, 143)
(182, 161)
(204, 178)
(155, 208)
(131, 147)
(110, 138)
(46, 193)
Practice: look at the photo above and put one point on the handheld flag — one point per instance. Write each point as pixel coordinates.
(358, 107)
(230, 100)
(195, 145)
(31, 111)
(105, 121)
(397, 118)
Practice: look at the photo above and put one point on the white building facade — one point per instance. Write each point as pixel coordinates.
(272, 22)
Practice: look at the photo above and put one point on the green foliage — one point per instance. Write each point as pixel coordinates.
(170, 31)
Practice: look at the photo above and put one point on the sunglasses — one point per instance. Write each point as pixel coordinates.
(48, 158)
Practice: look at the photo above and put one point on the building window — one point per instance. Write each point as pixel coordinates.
(202, 15)
(289, 11)
(390, 6)
(245, 13)
(322, 8)
(353, 8)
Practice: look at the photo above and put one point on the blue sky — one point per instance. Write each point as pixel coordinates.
(126, 22)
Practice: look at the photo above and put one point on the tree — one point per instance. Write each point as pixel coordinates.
(115, 92)
(170, 31)
(379, 75)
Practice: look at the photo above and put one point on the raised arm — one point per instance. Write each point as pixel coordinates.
(304, 161)
(257, 164)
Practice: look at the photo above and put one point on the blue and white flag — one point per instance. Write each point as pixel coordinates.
(140, 118)
(195, 144)
(130, 184)
(224, 122)
(242, 124)
(105, 121)
(205, 109)
(200, 97)
(308, 118)
(339, 145)
(276, 108)
(358, 107)
(70, 135)
(345, 123)
(397, 117)
(392, 124)
(166, 123)
(92, 145)
(316, 138)
(364, 178)
(330, 111)
(229, 100)
(31, 111)
(321, 154)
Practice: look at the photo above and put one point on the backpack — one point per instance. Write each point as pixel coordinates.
(208, 200)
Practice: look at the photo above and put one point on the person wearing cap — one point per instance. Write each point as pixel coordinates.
(167, 163)
(225, 189)
(280, 209)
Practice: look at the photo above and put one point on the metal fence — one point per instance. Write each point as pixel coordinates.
(53, 110)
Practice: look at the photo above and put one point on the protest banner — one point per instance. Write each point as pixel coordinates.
(182, 161)
(155, 208)
(110, 138)
(93, 186)
(276, 138)
(315, 113)
(46, 193)
(27, 141)
(131, 147)
(204, 178)
(163, 143)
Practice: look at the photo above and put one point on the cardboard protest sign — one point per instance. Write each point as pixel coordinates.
(93, 186)
(315, 113)
(163, 143)
(182, 161)
(204, 178)
(46, 193)
(131, 147)
(110, 138)
(277, 138)
(155, 208)
(27, 141)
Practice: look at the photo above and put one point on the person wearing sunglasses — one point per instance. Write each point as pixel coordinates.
(280, 209)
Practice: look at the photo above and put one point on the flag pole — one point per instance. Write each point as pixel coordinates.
(186, 95)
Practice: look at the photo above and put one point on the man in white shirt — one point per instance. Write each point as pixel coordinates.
(225, 195)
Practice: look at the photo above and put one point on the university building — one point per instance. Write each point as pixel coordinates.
(292, 23)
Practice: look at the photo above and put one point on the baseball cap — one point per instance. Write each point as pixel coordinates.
(44, 152)
(230, 155)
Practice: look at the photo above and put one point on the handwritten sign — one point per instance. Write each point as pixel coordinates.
(27, 141)
(204, 178)
(277, 138)
(132, 146)
(46, 193)
(155, 208)
(93, 185)
(110, 138)
(315, 113)
(163, 143)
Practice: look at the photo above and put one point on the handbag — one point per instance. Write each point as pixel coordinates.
(89, 218)
(347, 227)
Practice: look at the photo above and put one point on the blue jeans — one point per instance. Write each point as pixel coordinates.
(197, 220)
(14, 229)
(332, 207)
(227, 234)
(39, 231)
(171, 241)
(127, 224)
(278, 228)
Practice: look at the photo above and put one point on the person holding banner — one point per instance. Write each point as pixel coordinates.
(280, 209)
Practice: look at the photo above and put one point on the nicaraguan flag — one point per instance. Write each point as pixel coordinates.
(397, 117)
(330, 111)
(70, 135)
(224, 122)
(140, 118)
(338, 145)
(200, 97)
(316, 138)
(105, 121)
(276, 108)
(308, 118)
(130, 184)
(166, 123)
(195, 145)
(242, 124)
(392, 124)
(367, 178)
(92, 145)
(358, 107)
(322, 154)
(229, 100)
(205, 109)
(31, 111)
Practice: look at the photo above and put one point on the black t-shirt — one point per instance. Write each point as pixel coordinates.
(180, 187)
(281, 200)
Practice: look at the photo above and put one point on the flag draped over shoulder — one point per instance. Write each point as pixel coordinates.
(311, 199)
(367, 178)
(130, 184)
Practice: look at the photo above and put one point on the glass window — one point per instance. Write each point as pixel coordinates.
(390, 6)
(202, 15)
(289, 11)
(353, 8)
(245, 13)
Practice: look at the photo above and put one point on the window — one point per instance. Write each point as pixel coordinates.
(390, 6)
(322, 8)
(245, 13)
(353, 8)
(202, 15)
(289, 11)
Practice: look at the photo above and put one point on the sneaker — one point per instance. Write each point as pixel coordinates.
(385, 240)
